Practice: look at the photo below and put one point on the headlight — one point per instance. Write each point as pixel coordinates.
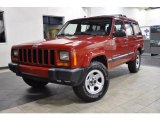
(64, 55)
(15, 53)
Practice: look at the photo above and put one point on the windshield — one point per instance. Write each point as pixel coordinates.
(94, 26)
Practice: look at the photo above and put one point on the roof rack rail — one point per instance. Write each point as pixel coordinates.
(119, 15)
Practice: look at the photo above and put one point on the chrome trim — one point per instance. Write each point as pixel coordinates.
(109, 60)
(120, 56)
(130, 53)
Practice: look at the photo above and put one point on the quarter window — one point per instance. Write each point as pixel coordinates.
(129, 29)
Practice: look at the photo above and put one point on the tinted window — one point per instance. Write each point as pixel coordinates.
(118, 26)
(2, 31)
(129, 29)
(136, 28)
(84, 28)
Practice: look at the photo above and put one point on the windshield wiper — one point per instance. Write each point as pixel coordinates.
(91, 34)
(65, 35)
(84, 33)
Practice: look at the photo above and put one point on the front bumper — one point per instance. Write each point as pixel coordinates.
(71, 77)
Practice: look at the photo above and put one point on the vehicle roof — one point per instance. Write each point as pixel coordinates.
(108, 16)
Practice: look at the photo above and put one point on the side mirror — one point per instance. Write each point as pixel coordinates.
(119, 34)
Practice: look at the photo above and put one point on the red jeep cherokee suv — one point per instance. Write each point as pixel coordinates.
(81, 55)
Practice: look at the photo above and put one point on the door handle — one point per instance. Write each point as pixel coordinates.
(126, 39)
(135, 38)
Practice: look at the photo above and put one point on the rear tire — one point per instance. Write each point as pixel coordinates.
(34, 83)
(95, 83)
(134, 65)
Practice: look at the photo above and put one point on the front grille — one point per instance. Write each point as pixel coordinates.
(37, 56)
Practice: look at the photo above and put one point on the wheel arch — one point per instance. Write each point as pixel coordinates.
(100, 58)
(98, 55)
(139, 49)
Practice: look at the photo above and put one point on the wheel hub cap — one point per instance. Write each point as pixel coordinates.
(94, 81)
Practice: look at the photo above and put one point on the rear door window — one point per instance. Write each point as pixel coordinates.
(119, 26)
(129, 29)
(84, 27)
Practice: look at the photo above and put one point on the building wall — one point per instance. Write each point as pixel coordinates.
(139, 14)
(95, 11)
(26, 24)
(153, 17)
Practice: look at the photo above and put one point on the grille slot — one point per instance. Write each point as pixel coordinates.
(29, 56)
(34, 56)
(40, 56)
(45, 56)
(52, 57)
(20, 54)
(25, 55)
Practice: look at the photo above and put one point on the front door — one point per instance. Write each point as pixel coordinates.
(120, 45)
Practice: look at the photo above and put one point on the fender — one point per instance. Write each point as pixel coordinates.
(92, 54)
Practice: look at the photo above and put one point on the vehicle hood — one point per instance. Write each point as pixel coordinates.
(68, 41)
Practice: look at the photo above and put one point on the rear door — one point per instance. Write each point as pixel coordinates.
(137, 34)
(130, 39)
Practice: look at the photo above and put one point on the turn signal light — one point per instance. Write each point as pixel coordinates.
(62, 64)
(75, 59)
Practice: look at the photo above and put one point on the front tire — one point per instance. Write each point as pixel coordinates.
(34, 83)
(134, 65)
(95, 83)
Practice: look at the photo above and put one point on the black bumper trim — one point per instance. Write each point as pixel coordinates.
(72, 77)
(14, 68)
(67, 76)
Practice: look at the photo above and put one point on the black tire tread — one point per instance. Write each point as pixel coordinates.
(132, 65)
